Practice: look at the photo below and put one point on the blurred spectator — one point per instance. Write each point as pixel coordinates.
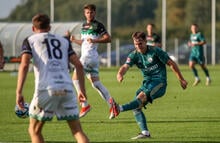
(2, 61)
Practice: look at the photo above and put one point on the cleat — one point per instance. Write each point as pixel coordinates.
(196, 82)
(84, 111)
(112, 116)
(208, 82)
(141, 136)
(114, 110)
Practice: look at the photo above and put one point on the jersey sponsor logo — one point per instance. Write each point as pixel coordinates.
(194, 39)
(150, 60)
(55, 66)
(151, 68)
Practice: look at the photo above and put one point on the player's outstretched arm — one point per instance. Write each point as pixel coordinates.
(176, 70)
(121, 72)
(106, 38)
(72, 38)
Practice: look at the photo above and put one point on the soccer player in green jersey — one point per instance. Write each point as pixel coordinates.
(152, 62)
(196, 42)
(153, 39)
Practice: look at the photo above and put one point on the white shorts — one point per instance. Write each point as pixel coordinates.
(47, 103)
(90, 66)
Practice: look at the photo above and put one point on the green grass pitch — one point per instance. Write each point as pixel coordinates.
(191, 115)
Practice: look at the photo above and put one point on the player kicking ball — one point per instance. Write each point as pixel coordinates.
(152, 62)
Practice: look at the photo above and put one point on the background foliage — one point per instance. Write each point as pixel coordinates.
(128, 15)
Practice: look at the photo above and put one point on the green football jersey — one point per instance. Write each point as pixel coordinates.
(195, 38)
(152, 63)
(151, 40)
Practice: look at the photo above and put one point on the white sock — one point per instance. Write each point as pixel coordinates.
(102, 91)
(197, 78)
(145, 132)
(208, 78)
(84, 104)
(120, 108)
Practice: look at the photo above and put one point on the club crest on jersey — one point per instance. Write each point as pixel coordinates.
(87, 26)
(150, 60)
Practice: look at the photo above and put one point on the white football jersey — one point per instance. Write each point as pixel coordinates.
(92, 30)
(50, 59)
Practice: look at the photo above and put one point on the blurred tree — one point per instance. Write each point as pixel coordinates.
(125, 13)
(199, 12)
(25, 12)
(175, 12)
(128, 15)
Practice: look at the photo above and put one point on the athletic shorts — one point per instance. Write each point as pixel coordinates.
(91, 67)
(200, 59)
(48, 103)
(153, 89)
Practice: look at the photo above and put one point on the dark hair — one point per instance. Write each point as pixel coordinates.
(139, 35)
(195, 24)
(41, 21)
(90, 7)
(153, 25)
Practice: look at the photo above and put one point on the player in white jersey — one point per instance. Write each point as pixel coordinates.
(93, 32)
(54, 94)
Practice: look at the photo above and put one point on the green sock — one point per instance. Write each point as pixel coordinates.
(140, 119)
(195, 72)
(132, 105)
(206, 72)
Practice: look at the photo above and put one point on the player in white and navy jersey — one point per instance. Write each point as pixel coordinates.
(54, 94)
(93, 32)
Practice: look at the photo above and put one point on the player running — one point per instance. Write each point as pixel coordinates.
(196, 42)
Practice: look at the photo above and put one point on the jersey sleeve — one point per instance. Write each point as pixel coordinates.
(102, 29)
(201, 37)
(70, 49)
(158, 39)
(26, 48)
(162, 55)
(130, 59)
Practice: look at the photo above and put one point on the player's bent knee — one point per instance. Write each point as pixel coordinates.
(142, 97)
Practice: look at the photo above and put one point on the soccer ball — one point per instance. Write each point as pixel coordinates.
(22, 113)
